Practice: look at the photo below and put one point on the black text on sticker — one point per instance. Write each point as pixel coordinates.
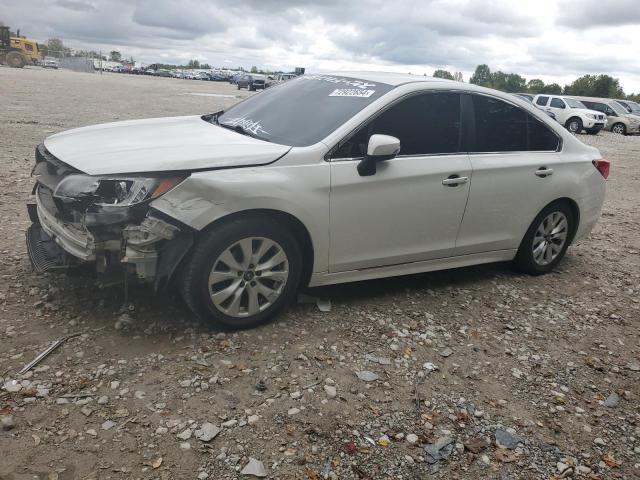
(351, 92)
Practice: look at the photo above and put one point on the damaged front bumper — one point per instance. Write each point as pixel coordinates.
(136, 239)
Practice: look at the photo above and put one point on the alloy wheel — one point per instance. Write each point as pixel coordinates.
(573, 126)
(550, 238)
(248, 277)
(619, 129)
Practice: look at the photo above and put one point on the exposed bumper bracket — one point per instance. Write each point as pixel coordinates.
(44, 252)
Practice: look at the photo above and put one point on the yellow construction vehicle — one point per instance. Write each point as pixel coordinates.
(18, 51)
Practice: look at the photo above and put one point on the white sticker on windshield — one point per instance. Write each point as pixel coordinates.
(351, 92)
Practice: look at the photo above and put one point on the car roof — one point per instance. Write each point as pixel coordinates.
(593, 99)
(390, 78)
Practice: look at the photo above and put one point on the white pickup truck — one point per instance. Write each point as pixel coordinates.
(571, 113)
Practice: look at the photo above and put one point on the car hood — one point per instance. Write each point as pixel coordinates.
(157, 145)
(584, 111)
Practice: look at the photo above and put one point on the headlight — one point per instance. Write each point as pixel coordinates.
(114, 191)
(591, 115)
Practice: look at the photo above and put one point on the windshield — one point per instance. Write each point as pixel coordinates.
(635, 108)
(304, 110)
(574, 103)
(617, 108)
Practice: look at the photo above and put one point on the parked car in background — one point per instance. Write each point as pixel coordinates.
(251, 82)
(618, 119)
(630, 106)
(239, 209)
(526, 96)
(571, 113)
(529, 99)
(50, 62)
(162, 73)
(279, 78)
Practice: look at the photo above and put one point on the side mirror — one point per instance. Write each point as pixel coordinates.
(380, 147)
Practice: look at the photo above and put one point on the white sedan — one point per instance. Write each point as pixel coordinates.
(320, 180)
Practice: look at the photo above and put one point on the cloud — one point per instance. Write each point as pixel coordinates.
(582, 14)
(553, 39)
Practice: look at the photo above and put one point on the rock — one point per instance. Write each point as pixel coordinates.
(438, 451)
(7, 423)
(123, 321)
(367, 376)
(86, 411)
(378, 360)
(295, 395)
(103, 400)
(108, 425)
(612, 400)
(506, 439)
(293, 411)
(447, 352)
(476, 445)
(255, 468)
(330, 390)
(599, 441)
(12, 386)
(185, 434)
(229, 423)
(634, 366)
(207, 432)
(412, 438)
(185, 446)
(564, 469)
(92, 432)
(203, 475)
(253, 419)
(517, 373)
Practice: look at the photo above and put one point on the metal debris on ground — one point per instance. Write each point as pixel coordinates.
(45, 353)
(323, 304)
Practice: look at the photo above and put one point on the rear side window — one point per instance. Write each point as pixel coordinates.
(503, 127)
(556, 103)
(425, 124)
(542, 101)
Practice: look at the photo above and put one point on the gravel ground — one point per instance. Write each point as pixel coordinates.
(471, 373)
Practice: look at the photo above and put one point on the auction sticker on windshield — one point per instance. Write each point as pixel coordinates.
(351, 92)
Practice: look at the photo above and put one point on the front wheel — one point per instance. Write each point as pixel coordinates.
(242, 273)
(619, 128)
(546, 240)
(574, 125)
(15, 60)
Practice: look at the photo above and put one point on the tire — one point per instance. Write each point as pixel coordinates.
(239, 87)
(252, 88)
(528, 257)
(619, 128)
(593, 131)
(574, 125)
(205, 274)
(15, 60)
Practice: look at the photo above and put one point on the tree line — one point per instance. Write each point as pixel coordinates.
(602, 85)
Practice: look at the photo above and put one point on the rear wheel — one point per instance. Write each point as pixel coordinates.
(242, 273)
(15, 60)
(574, 125)
(546, 240)
(619, 128)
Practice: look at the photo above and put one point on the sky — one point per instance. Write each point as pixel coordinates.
(555, 40)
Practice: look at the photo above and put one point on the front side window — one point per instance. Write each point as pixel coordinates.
(556, 103)
(574, 103)
(503, 127)
(425, 124)
(542, 101)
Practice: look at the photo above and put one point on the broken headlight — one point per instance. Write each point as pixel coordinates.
(114, 191)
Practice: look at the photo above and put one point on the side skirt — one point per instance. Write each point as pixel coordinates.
(319, 279)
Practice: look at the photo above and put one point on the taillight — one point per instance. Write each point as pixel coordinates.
(602, 166)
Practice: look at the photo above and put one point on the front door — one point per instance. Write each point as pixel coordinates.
(404, 212)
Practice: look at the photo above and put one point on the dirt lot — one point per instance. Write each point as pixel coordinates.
(474, 373)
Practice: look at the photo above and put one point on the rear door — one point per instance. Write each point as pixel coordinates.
(516, 172)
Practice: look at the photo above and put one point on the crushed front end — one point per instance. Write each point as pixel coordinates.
(104, 220)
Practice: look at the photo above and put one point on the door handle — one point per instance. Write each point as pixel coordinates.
(544, 172)
(454, 181)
